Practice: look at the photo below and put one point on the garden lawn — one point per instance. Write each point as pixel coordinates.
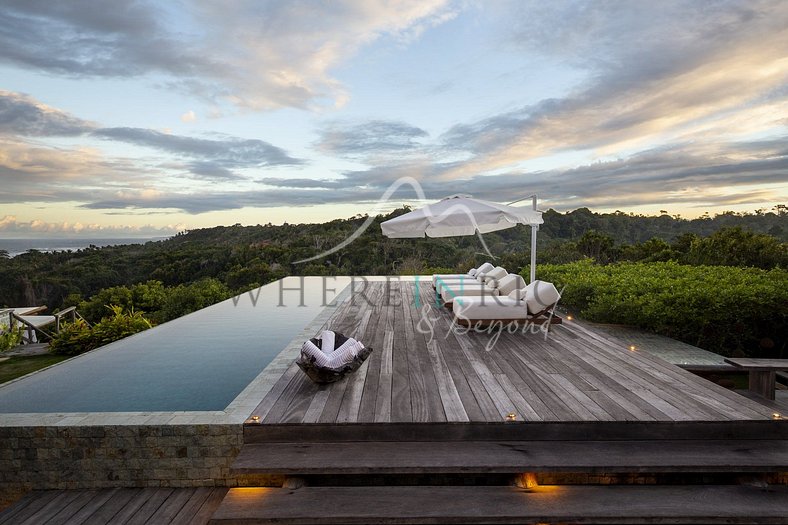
(21, 365)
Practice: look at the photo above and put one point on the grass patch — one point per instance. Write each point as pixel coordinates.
(21, 365)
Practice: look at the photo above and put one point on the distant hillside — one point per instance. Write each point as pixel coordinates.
(245, 256)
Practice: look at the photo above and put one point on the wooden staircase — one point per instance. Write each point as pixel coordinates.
(482, 481)
(562, 504)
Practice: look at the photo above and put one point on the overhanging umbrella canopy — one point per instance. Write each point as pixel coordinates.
(459, 215)
(462, 215)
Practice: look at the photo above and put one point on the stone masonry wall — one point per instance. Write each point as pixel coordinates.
(53, 457)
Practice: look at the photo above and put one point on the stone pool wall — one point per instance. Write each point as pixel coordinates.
(82, 457)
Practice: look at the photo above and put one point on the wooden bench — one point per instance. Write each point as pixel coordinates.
(763, 373)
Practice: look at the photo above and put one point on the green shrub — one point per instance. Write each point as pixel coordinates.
(732, 311)
(78, 337)
(148, 297)
(9, 338)
(184, 299)
(737, 247)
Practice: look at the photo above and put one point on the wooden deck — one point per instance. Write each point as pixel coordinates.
(116, 506)
(432, 405)
(576, 375)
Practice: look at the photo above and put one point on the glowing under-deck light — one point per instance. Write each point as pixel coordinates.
(526, 480)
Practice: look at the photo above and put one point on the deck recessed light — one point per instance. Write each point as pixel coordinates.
(777, 415)
(526, 480)
(568, 317)
(632, 348)
(255, 419)
(511, 416)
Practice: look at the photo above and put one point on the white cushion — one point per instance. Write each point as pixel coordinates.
(510, 283)
(518, 294)
(486, 267)
(540, 295)
(448, 276)
(495, 275)
(489, 307)
(444, 282)
(449, 291)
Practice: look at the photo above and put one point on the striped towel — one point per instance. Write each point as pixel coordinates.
(336, 359)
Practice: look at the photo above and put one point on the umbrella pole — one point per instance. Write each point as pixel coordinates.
(534, 228)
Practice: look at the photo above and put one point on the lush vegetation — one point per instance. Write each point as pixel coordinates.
(163, 280)
(245, 257)
(78, 337)
(732, 311)
(159, 303)
(9, 338)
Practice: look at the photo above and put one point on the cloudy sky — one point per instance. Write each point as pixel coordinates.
(145, 117)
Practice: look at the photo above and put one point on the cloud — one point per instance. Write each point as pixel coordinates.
(9, 225)
(24, 116)
(82, 38)
(249, 54)
(373, 137)
(189, 116)
(302, 183)
(213, 171)
(231, 151)
(655, 73)
(21, 114)
(40, 174)
(689, 174)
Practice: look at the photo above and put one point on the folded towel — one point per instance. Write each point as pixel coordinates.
(323, 367)
(327, 344)
(336, 360)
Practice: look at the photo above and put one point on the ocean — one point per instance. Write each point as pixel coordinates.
(16, 246)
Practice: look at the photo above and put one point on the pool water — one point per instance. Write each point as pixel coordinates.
(199, 362)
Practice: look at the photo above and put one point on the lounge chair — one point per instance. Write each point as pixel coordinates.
(496, 273)
(486, 267)
(535, 303)
(493, 287)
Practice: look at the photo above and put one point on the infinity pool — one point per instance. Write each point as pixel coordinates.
(199, 362)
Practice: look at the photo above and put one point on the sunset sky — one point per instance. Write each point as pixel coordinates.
(144, 118)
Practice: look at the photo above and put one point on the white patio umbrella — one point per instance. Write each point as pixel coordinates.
(463, 215)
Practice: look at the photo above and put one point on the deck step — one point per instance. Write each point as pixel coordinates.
(409, 457)
(565, 503)
(539, 430)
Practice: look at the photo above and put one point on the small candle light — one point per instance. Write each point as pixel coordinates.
(511, 416)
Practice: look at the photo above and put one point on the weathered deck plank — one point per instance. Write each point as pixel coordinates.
(400, 389)
(373, 338)
(111, 506)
